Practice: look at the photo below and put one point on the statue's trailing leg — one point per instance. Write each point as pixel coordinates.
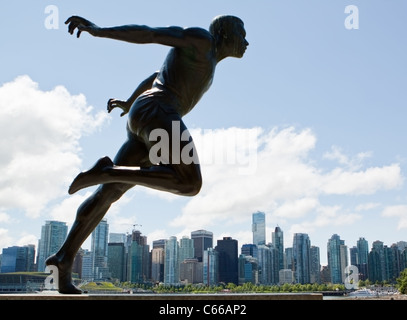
(64, 275)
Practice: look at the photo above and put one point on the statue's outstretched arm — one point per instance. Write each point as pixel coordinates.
(125, 105)
(170, 36)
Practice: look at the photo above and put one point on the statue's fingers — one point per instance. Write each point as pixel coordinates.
(71, 27)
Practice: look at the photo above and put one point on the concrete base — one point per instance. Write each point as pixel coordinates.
(164, 297)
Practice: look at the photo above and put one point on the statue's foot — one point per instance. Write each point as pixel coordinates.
(64, 276)
(90, 177)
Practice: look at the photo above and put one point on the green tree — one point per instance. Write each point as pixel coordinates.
(402, 282)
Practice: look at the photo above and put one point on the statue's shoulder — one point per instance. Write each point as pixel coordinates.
(198, 33)
(200, 37)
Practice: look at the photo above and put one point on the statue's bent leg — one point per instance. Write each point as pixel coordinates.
(173, 174)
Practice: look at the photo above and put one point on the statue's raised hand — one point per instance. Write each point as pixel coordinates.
(114, 103)
(76, 22)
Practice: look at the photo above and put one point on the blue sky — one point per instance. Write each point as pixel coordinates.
(309, 126)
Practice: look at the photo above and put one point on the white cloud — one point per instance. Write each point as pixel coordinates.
(286, 183)
(26, 239)
(5, 239)
(398, 211)
(367, 206)
(39, 144)
(4, 217)
(340, 181)
(296, 208)
(352, 163)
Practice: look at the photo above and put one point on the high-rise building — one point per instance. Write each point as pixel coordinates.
(53, 235)
(362, 258)
(227, 249)
(186, 249)
(301, 258)
(158, 260)
(203, 240)
(277, 239)
(285, 276)
(139, 258)
(116, 260)
(266, 257)
(288, 261)
(87, 265)
(99, 245)
(337, 258)
(315, 265)
(353, 255)
(191, 271)
(18, 259)
(210, 267)
(117, 257)
(117, 237)
(157, 264)
(248, 269)
(377, 264)
(171, 265)
(78, 262)
(259, 228)
(249, 249)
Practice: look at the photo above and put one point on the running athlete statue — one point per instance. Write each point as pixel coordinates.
(157, 103)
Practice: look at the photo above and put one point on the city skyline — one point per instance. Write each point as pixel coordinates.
(203, 232)
(175, 261)
(308, 127)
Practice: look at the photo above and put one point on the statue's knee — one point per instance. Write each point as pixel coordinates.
(110, 193)
(192, 187)
(195, 188)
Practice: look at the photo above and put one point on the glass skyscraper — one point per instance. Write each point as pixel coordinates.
(337, 258)
(301, 258)
(99, 247)
(16, 259)
(277, 238)
(259, 228)
(53, 235)
(186, 249)
(362, 257)
(210, 267)
(171, 265)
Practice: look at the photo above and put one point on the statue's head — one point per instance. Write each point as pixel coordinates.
(229, 33)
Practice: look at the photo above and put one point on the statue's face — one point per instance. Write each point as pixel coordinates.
(236, 41)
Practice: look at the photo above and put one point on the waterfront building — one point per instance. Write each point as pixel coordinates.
(228, 260)
(248, 269)
(362, 258)
(17, 259)
(301, 258)
(210, 267)
(116, 260)
(171, 265)
(315, 266)
(53, 235)
(191, 271)
(158, 260)
(99, 245)
(337, 258)
(139, 269)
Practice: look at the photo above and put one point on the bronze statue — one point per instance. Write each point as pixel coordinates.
(158, 102)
